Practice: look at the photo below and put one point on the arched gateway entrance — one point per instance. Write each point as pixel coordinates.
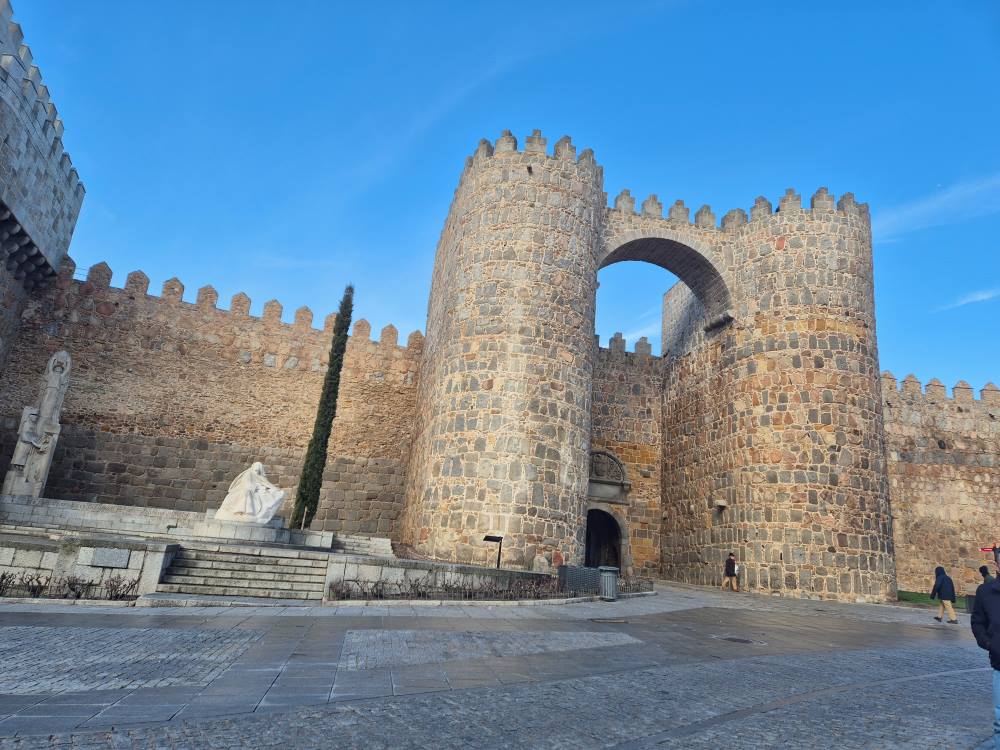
(604, 540)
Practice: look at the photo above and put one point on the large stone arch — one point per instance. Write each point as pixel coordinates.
(691, 259)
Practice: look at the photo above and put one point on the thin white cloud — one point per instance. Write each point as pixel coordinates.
(983, 295)
(652, 329)
(368, 172)
(950, 205)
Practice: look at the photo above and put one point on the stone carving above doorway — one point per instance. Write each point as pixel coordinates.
(608, 482)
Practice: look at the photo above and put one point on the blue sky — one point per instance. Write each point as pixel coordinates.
(285, 149)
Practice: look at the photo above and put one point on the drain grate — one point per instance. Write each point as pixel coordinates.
(737, 640)
(610, 620)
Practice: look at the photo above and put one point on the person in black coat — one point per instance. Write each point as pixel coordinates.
(984, 571)
(944, 590)
(731, 574)
(986, 628)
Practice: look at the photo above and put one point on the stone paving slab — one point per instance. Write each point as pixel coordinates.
(370, 649)
(60, 659)
(709, 705)
(689, 666)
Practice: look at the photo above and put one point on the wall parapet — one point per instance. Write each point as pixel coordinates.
(935, 391)
(97, 286)
(617, 345)
(822, 202)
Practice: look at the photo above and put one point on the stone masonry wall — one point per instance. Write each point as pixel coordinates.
(365, 477)
(169, 400)
(774, 445)
(13, 297)
(944, 471)
(627, 421)
(40, 192)
(190, 474)
(503, 417)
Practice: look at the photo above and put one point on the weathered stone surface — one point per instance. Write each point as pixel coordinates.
(944, 470)
(40, 192)
(109, 557)
(759, 431)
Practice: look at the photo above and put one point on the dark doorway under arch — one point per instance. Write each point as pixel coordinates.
(604, 540)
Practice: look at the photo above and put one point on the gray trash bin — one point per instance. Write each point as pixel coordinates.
(609, 583)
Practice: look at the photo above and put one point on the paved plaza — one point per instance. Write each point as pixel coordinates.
(688, 668)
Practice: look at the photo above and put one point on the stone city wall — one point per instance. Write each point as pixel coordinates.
(169, 400)
(13, 297)
(627, 420)
(365, 477)
(944, 472)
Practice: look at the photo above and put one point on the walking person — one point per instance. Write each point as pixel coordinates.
(944, 590)
(986, 628)
(984, 571)
(730, 576)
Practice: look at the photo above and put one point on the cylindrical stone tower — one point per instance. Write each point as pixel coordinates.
(773, 438)
(503, 422)
(812, 498)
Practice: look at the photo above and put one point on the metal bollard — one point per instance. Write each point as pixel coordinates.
(609, 583)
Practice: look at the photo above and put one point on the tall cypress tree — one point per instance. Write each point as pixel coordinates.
(307, 497)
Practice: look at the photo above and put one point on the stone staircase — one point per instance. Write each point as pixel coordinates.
(246, 570)
(374, 546)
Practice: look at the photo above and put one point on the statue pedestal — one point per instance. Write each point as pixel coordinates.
(278, 522)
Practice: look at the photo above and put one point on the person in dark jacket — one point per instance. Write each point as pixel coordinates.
(984, 571)
(944, 590)
(730, 576)
(986, 628)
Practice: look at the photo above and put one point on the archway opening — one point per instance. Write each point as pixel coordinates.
(699, 304)
(630, 302)
(604, 540)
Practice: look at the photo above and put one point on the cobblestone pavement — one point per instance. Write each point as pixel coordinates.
(62, 659)
(689, 668)
(372, 649)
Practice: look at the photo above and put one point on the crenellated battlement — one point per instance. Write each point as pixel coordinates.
(24, 80)
(822, 202)
(617, 345)
(95, 296)
(535, 148)
(41, 195)
(911, 389)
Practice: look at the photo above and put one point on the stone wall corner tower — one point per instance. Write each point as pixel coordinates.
(40, 191)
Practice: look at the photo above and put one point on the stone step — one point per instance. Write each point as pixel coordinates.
(256, 575)
(363, 545)
(158, 599)
(280, 586)
(254, 550)
(186, 553)
(213, 590)
(247, 569)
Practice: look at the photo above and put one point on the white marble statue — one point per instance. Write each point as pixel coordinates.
(251, 498)
(38, 432)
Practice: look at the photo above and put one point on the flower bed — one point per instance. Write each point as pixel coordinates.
(38, 586)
